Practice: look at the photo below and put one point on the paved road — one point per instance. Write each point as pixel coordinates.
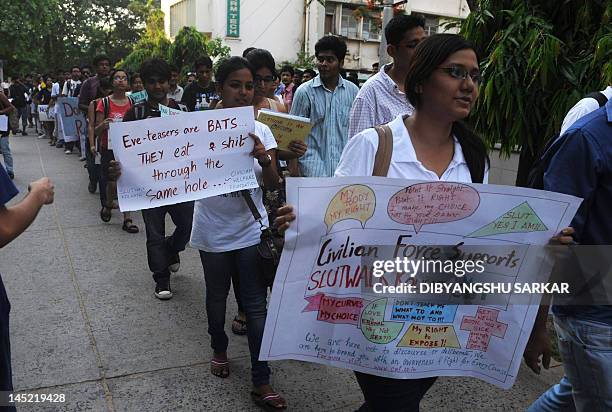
(84, 321)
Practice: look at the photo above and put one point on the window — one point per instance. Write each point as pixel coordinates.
(371, 31)
(330, 19)
(182, 14)
(349, 25)
(432, 25)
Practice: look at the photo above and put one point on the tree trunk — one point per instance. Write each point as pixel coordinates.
(472, 4)
(526, 162)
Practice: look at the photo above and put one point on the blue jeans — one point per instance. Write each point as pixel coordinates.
(586, 348)
(6, 153)
(218, 269)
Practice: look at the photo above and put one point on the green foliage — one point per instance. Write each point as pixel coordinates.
(153, 43)
(41, 35)
(189, 45)
(303, 61)
(216, 49)
(538, 57)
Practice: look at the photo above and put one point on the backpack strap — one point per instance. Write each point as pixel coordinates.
(599, 96)
(139, 111)
(382, 161)
(106, 104)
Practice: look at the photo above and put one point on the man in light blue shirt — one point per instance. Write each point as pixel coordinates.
(327, 101)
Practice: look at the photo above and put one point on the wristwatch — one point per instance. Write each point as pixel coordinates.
(267, 162)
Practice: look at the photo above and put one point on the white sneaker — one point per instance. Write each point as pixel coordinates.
(68, 151)
(42, 136)
(162, 290)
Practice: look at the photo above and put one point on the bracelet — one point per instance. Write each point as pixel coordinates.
(266, 164)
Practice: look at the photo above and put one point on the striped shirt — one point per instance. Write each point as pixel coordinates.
(378, 102)
(329, 115)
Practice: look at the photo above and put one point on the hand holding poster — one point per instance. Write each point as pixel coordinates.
(285, 127)
(43, 115)
(329, 279)
(175, 159)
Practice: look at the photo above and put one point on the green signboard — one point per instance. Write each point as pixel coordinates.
(233, 18)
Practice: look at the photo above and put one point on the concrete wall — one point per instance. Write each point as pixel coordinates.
(283, 26)
(276, 25)
(503, 171)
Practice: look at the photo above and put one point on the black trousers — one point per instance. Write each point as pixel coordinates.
(392, 395)
(159, 247)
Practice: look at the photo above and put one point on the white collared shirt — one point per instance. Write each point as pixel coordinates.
(582, 108)
(358, 158)
(379, 101)
(176, 95)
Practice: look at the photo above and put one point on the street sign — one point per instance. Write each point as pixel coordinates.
(233, 18)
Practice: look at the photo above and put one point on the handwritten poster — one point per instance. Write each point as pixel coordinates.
(43, 115)
(323, 284)
(72, 119)
(285, 127)
(168, 160)
(138, 97)
(169, 111)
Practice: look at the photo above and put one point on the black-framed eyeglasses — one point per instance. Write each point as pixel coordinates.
(265, 79)
(461, 73)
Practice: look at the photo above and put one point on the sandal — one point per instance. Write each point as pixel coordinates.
(269, 401)
(105, 214)
(219, 368)
(129, 227)
(239, 326)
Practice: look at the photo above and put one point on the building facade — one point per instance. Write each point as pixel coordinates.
(286, 27)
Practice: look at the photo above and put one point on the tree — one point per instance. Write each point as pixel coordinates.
(189, 45)
(153, 43)
(41, 35)
(538, 57)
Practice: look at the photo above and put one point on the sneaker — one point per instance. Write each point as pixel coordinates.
(82, 159)
(24, 133)
(92, 187)
(162, 290)
(68, 151)
(42, 136)
(59, 145)
(175, 263)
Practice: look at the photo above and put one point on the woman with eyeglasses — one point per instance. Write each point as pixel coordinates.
(434, 145)
(111, 109)
(265, 86)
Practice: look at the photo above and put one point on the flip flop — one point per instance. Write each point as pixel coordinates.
(129, 227)
(239, 326)
(220, 366)
(266, 401)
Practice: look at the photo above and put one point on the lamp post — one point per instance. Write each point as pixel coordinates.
(388, 5)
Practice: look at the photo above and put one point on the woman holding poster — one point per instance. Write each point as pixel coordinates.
(431, 145)
(227, 236)
(111, 109)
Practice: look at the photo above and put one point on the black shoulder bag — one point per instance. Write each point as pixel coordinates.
(269, 248)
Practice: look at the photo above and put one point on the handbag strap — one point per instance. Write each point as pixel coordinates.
(249, 201)
(382, 161)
